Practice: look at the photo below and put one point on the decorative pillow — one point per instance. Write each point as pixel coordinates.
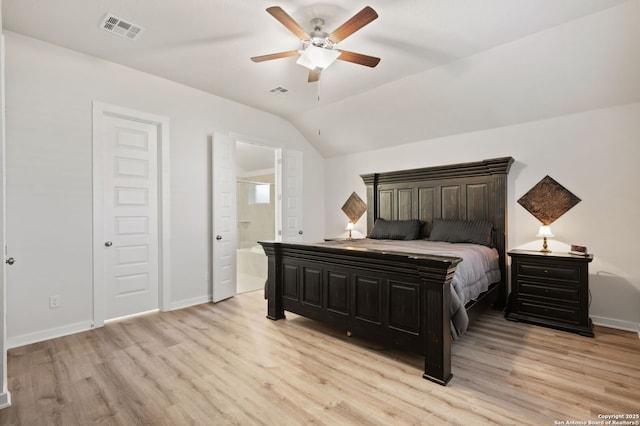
(462, 231)
(396, 229)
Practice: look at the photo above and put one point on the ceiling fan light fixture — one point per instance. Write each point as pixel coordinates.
(317, 57)
(319, 50)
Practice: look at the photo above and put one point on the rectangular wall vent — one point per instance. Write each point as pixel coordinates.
(120, 27)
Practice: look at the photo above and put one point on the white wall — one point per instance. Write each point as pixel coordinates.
(594, 155)
(5, 396)
(49, 96)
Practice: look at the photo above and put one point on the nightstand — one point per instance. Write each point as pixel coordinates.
(550, 289)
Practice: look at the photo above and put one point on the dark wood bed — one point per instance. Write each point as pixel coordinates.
(396, 299)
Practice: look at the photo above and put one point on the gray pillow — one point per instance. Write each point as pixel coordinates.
(462, 231)
(396, 229)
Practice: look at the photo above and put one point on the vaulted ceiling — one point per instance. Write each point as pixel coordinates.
(447, 66)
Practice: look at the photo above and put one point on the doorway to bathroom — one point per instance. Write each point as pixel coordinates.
(256, 181)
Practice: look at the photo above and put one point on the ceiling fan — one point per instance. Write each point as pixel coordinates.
(319, 48)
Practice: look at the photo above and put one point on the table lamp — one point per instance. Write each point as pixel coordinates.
(545, 232)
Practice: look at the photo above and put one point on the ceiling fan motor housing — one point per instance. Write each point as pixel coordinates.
(318, 36)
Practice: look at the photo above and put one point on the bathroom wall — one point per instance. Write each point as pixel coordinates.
(256, 221)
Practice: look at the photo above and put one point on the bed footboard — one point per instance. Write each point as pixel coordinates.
(394, 299)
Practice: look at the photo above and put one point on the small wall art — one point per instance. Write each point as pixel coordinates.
(548, 200)
(354, 207)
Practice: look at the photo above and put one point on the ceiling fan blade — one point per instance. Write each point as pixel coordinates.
(314, 75)
(286, 20)
(356, 22)
(358, 58)
(275, 56)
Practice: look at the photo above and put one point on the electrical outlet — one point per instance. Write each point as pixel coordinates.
(54, 301)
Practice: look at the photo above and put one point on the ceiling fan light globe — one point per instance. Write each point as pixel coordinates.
(317, 57)
(305, 61)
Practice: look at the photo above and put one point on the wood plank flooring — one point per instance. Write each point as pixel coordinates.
(227, 364)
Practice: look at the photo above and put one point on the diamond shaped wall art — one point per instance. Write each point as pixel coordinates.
(354, 207)
(548, 200)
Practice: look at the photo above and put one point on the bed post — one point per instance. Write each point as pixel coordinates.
(371, 181)
(500, 182)
(436, 300)
(275, 310)
(499, 168)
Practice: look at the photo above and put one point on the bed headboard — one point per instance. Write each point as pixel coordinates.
(471, 191)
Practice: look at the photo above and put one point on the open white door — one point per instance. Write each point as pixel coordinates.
(5, 396)
(292, 196)
(224, 217)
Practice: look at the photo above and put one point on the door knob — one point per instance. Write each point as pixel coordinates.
(108, 244)
(10, 261)
(218, 237)
(300, 232)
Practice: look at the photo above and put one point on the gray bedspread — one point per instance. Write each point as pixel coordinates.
(479, 268)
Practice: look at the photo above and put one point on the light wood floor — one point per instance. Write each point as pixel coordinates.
(227, 364)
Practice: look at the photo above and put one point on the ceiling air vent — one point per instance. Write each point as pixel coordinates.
(279, 91)
(120, 27)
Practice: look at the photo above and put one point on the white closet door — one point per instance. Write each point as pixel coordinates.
(292, 196)
(224, 217)
(131, 215)
(130, 179)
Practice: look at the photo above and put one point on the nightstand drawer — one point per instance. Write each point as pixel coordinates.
(566, 273)
(549, 312)
(570, 293)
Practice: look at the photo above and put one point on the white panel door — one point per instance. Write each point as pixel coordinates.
(130, 179)
(292, 196)
(224, 217)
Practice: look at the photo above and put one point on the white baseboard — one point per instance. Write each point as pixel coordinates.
(5, 400)
(618, 324)
(52, 333)
(189, 302)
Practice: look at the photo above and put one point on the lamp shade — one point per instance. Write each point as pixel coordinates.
(317, 57)
(545, 231)
(349, 226)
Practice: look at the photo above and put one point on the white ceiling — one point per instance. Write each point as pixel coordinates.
(430, 82)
